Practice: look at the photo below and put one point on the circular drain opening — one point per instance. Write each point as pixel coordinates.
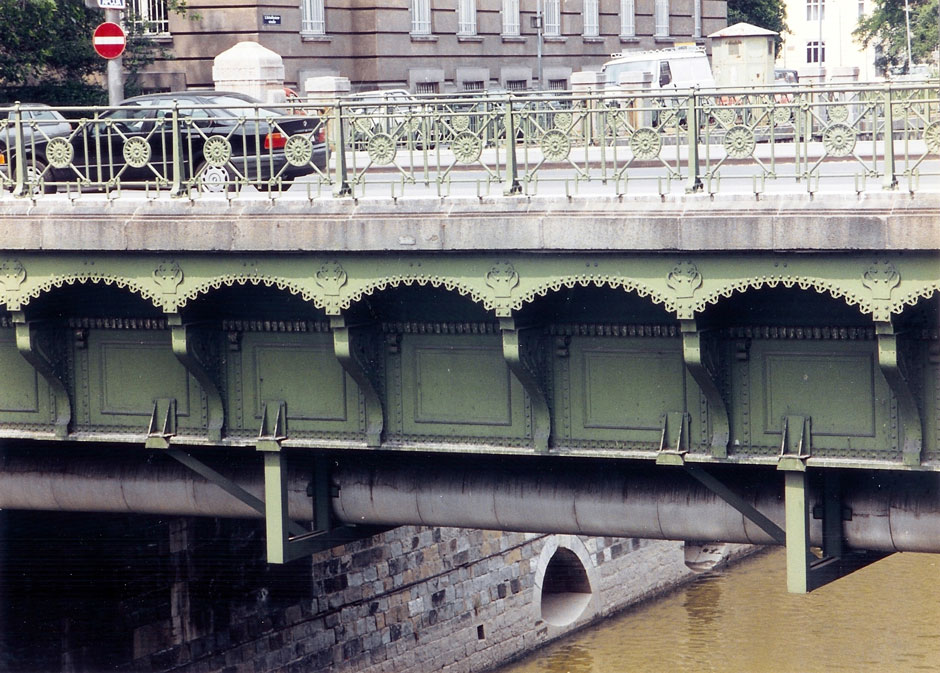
(566, 590)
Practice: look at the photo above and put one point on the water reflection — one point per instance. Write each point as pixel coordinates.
(570, 658)
(884, 618)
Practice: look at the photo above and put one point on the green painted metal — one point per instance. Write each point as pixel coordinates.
(516, 142)
(799, 556)
(447, 352)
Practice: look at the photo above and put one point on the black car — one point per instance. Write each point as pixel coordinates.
(223, 140)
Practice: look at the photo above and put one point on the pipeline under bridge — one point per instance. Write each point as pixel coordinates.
(846, 514)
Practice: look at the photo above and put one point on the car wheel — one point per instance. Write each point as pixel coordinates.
(35, 177)
(214, 178)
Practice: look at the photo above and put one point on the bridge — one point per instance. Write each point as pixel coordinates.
(743, 349)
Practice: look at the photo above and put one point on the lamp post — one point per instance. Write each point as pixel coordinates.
(538, 52)
(907, 24)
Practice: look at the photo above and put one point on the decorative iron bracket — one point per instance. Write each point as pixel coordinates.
(187, 344)
(30, 346)
(518, 353)
(795, 443)
(351, 349)
(162, 425)
(273, 428)
(911, 428)
(717, 411)
(674, 439)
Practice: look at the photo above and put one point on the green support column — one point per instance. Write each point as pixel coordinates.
(276, 532)
(514, 352)
(797, 530)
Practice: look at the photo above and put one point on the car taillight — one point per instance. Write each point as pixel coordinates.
(274, 141)
(3, 159)
(320, 135)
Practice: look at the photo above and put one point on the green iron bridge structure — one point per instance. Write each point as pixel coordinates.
(751, 365)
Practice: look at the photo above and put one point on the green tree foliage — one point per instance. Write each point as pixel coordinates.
(46, 54)
(886, 29)
(769, 14)
(46, 40)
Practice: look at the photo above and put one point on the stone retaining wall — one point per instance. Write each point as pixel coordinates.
(421, 600)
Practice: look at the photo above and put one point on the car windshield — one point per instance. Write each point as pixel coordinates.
(613, 70)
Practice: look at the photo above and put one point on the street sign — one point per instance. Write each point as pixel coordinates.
(111, 4)
(109, 40)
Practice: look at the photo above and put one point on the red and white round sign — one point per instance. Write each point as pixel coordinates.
(109, 40)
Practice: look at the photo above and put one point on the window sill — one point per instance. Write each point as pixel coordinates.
(512, 38)
(469, 38)
(592, 39)
(660, 39)
(313, 37)
(554, 38)
(159, 38)
(629, 39)
(423, 38)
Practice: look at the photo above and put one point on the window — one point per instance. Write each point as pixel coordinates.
(815, 10)
(427, 87)
(591, 28)
(861, 8)
(815, 52)
(420, 17)
(552, 18)
(697, 18)
(473, 86)
(466, 17)
(557, 84)
(511, 17)
(312, 18)
(627, 18)
(148, 17)
(515, 85)
(661, 18)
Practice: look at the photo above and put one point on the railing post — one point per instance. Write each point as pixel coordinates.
(511, 186)
(176, 137)
(891, 179)
(341, 187)
(19, 153)
(691, 125)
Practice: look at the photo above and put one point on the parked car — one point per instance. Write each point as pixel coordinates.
(39, 122)
(225, 139)
(394, 112)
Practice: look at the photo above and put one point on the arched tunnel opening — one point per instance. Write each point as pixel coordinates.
(566, 589)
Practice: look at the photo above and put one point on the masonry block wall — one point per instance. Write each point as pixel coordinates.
(423, 599)
(84, 593)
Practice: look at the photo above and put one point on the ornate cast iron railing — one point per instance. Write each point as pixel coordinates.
(823, 138)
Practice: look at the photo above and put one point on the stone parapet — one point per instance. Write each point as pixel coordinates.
(793, 222)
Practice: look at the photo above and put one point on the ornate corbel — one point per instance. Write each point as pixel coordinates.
(359, 358)
(37, 349)
(909, 419)
(521, 355)
(194, 351)
(695, 364)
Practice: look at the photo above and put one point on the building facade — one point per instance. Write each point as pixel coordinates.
(425, 46)
(820, 36)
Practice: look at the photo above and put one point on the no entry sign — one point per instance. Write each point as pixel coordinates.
(109, 40)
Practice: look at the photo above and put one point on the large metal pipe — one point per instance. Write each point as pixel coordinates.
(889, 512)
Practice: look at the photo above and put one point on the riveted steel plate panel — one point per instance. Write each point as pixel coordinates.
(131, 370)
(621, 388)
(302, 370)
(836, 384)
(457, 385)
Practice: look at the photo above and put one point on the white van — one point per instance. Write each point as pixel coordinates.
(675, 68)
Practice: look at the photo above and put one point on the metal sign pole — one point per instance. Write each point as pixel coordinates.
(115, 65)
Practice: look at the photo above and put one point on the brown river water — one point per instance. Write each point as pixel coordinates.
(884, 618)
